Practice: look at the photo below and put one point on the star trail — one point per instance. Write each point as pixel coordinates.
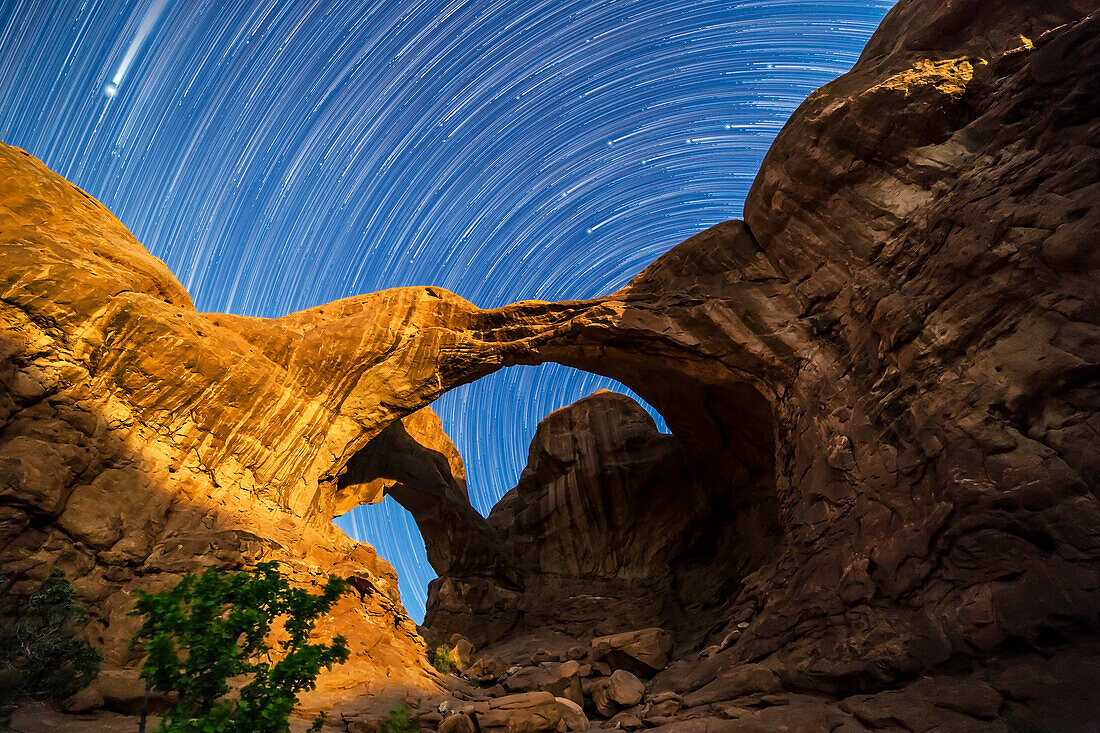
(280, 154)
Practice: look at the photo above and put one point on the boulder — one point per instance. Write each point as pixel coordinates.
(554, 677)
(89, 698)
(610, 694)
(121, 690)
(531, 712)
(572, 714)
(745, 679)
(566, 681)
(662, 709)
(625, 689)
(644, 652)
(462, 652)
(458, 723)
(487, 668)
(600, 693)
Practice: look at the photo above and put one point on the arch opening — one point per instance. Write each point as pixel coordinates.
(611, 518)
(393, 532)
(493, 420)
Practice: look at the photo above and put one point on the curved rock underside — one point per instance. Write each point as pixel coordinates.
(883, 387)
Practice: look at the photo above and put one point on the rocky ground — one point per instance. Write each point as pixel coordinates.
(625, 681)
(878, 507)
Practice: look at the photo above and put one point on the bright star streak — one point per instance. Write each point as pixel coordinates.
(152, 15)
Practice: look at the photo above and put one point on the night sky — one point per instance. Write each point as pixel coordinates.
(282, 154)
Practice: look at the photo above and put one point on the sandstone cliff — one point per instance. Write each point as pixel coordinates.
(912, 313)
(886, 378)
(142, 440)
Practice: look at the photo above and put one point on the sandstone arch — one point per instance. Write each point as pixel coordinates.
(710, 395)
(914, 295)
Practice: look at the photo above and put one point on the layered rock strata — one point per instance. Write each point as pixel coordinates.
(892, 369)
(913, 316)
(612, 525)
(125, 456)
(922, 328)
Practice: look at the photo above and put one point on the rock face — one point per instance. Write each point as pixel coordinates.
(887, 383)
(947, 272)
(912, 312)
(612, 525)
(122, 458)
(415, 462)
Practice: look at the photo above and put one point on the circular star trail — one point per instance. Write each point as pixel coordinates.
(280, 154)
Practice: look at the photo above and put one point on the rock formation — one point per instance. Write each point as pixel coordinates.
(886, 378)
(612, 525)
(119, 458)
(912, 312)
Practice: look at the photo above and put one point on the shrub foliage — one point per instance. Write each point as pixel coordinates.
(40, 656)
(219, 625)
(398, 720)
(443, 661)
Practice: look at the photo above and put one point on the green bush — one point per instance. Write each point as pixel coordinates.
(40, 657)
(442, 660)
(217, 625)
(398, 720)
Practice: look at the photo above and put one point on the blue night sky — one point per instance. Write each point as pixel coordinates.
(279, 154)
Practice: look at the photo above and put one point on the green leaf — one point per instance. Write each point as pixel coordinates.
(40, 655)
(217, 625)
